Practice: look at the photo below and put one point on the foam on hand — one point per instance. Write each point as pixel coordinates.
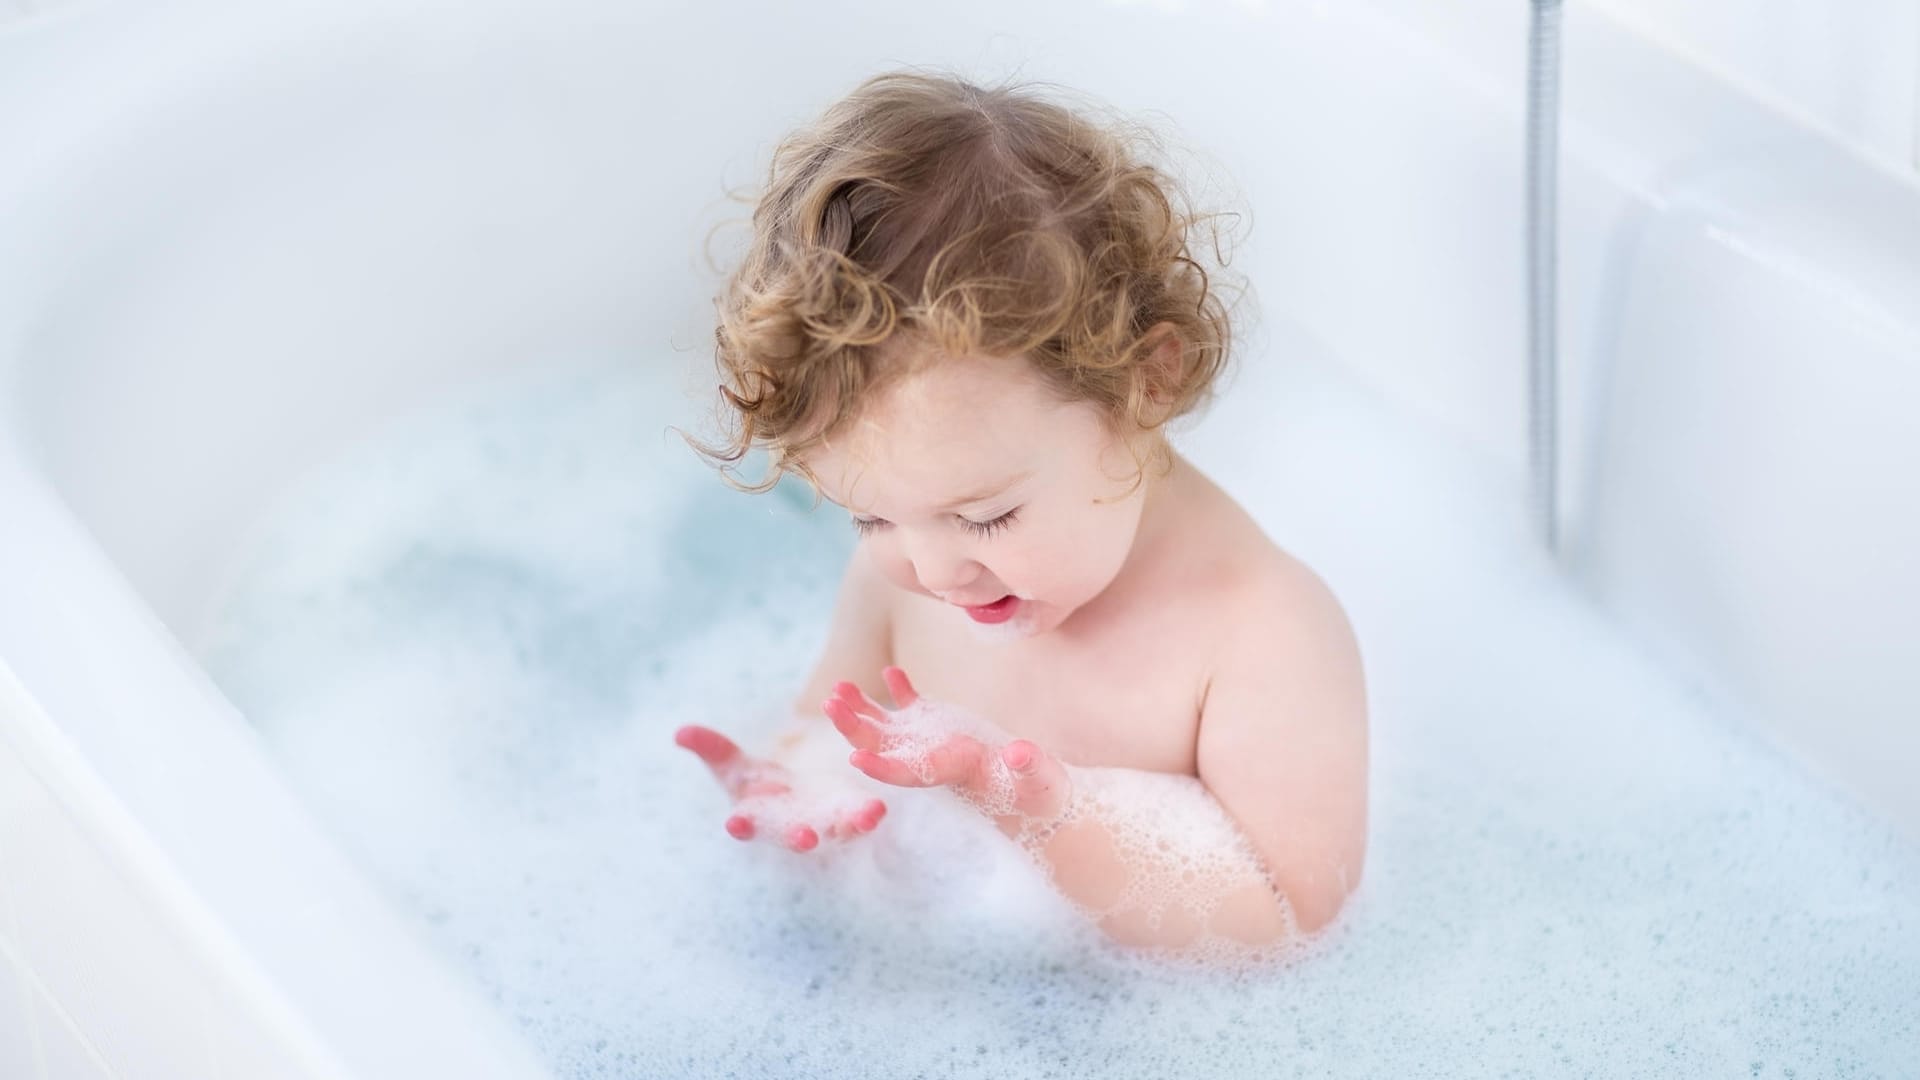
(1180, 853)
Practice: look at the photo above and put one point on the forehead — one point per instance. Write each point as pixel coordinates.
(946, 429)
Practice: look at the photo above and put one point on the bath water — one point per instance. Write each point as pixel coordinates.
(469, 639)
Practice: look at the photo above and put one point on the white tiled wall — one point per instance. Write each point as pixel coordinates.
(1851, 67)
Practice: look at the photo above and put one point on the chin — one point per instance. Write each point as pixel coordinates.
(1018, 628)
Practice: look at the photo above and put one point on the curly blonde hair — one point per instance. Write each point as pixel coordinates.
(924, 208)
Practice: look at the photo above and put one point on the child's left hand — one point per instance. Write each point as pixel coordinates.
(1040, 785)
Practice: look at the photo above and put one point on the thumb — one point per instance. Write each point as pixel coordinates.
(1040, 784)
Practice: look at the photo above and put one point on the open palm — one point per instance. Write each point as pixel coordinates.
(772, 802)
(891, 748)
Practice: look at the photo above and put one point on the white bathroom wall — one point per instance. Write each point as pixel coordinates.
(16, 10)
(1850, 67)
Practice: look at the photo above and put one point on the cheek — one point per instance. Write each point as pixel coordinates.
(1098, 543)
(1059, 558)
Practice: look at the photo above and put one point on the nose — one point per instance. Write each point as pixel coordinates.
(940, 567)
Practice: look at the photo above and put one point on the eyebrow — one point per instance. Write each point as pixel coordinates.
(988, 492)
(982, 495)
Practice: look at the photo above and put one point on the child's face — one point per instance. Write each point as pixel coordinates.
(972, 484)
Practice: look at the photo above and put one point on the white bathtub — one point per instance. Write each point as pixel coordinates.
(229, 242)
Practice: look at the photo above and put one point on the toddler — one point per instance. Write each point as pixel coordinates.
(967, 316)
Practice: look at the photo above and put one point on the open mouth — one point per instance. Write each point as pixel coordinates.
(997, 612)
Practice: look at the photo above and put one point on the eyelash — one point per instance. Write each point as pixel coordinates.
(983, 529)
(988, 528)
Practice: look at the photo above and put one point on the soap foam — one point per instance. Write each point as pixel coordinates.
(469, 642)
(1180, 850)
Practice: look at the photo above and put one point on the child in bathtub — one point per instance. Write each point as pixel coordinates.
(966, 316)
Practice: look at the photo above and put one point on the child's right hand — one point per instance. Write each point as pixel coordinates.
(771, 802)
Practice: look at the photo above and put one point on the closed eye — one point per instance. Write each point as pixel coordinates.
(869, 526)
(988, 528)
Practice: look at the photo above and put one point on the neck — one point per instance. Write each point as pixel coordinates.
(1162, 489)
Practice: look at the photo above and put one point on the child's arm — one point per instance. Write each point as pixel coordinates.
(1282, 753)
(1283, 743)
(859, 640)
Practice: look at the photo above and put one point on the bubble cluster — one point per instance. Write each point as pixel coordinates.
(1182, 857)
(468, 643)
(914, 734)
(1173, 852)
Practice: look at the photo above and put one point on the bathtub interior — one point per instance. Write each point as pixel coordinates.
(479, 703)
(260, 281)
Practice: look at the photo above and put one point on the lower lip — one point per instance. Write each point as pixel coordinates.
(997, 612)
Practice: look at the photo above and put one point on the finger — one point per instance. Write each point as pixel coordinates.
(886, 770)
(740, 827)
(897, 685)
(857, 821)
(867, 818)
(715, 749)
(728, 764)
(863, 734)
(1040, 783)
(802, 838)
(859, 702)
(956, 761)
(1019, 755)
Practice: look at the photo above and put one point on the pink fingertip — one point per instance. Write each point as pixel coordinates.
(802, 838)
(739, 827)
(1018, 755)
(872, 814)
(711, 746)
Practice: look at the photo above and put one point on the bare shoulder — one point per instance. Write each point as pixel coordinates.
(1280, 609)
(1262, 601)
(1285, 661)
